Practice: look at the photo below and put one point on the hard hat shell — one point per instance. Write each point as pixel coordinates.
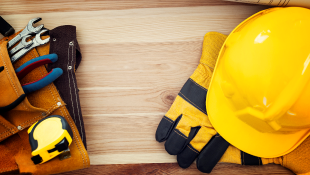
(259, 96)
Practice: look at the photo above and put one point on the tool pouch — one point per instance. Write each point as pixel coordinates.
(15, 150)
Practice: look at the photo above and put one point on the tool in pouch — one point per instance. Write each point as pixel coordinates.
(37, 41)
(23, 44)
(6, 29)
(27, 67)
(49, 138)
(29, 29)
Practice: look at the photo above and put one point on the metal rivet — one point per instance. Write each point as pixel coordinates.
(59, 103)
(54, 39)
(19, 127)
(71, 43)
(69, 67)
(43, 114)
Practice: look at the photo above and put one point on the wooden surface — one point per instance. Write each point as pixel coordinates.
(137, 54)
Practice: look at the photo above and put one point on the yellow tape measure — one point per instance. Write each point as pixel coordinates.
(49, 137)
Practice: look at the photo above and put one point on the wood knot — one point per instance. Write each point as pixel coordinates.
(168, 97)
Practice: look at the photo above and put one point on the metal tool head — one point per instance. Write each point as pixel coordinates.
(23, 44)
(38, 38)
(26, 43)
(32, 29)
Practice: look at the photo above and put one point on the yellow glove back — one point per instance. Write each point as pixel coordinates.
(186, 127)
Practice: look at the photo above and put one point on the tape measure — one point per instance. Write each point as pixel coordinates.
(49, 138)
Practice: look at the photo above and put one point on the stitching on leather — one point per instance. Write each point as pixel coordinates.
(6, 69)
(167, 119)
(6, 135)
(71, 96)
(74, 89)
(55, 90)
(47, 113)
(8, 72)
(76, 139)
(193, 149)
(60, 108)
(180, 134)
(193, 103)
(5, 127)
(69, 84)
(49, 110)
(6, 169)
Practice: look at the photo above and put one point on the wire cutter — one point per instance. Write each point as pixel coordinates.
(27, 67)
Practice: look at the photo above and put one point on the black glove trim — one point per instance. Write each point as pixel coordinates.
(248, 159)
(194, 94)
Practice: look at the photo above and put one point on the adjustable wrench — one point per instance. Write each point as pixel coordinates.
(29, 29)
(37, 41)
(22, 44)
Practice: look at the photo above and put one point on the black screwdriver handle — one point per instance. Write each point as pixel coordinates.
(5, 28)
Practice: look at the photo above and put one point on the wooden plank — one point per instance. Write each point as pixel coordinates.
(136, 57)
(8, 7)
(173, 168)
(146, 25)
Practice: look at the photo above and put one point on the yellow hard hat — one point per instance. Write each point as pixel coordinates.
(259, 96)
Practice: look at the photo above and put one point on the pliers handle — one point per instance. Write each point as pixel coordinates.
(27, 67)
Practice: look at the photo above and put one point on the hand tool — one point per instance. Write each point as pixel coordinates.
(24, 69)
(6, 29)
(21, 45)
(49, 138)
(37, 41)
(27, 67)
(29, 29)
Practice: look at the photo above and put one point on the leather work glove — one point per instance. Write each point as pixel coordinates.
(186, 127)
(189, 134)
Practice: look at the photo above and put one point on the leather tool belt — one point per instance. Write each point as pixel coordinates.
(58, 98)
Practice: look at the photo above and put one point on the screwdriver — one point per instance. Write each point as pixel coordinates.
(5, 28)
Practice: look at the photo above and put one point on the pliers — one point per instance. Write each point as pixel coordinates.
(27, 67)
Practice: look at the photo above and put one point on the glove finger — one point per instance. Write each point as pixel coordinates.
(211, 154)
(184, 132)
(192, 150)
(165, 127)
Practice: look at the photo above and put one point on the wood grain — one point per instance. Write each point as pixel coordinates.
(8, 7)
(137, 54)
(173, 168)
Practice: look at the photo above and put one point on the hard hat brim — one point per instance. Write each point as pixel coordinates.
(243, 136)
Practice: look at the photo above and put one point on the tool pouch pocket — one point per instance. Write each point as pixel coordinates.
(29, 109)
